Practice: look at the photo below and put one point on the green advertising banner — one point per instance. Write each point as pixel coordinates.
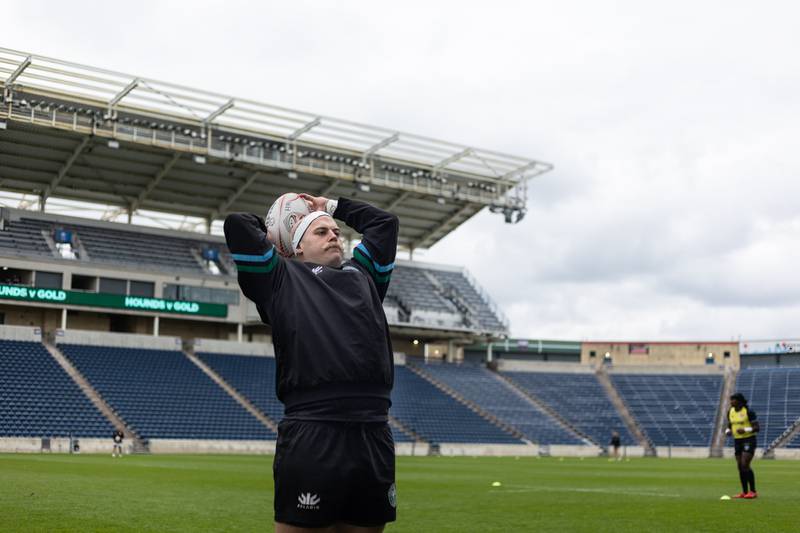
(111, 301)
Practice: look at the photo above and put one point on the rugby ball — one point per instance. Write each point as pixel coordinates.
(282, 218)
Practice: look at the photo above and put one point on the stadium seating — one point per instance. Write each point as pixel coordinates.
(39, 399)
(795, 442)
(580, 399)
(774, 394)
(477, 384)
(486, 317)
(442, 298)
(676, 409)
(437, 417)
(161, 394)
(254, 378)
(107, 245)
(417, 295)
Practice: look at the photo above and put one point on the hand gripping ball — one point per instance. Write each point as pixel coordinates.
(282, 218)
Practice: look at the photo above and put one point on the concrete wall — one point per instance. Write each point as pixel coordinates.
(17, 315)
(694, 452)
(512, 450)
(20, 333)
(259, 349)
(662, 353)
(666, 369)
(120, 340)
(510, 365)
(787, 453)
(59, 445)
(257, 447)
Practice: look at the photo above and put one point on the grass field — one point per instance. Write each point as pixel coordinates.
(435, 494)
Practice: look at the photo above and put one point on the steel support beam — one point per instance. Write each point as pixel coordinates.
(123, 93)
(224, 107)
(453, 158)
(298, 132)
(63, 171)
(154, 183)
(18, 71)
(327, 190)
(520, 170)
(397, 201)
(382, 144)
(223, 206)
(443, 227)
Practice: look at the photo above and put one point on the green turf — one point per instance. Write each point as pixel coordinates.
(437, 494)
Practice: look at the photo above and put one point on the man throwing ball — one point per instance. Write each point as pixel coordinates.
(334, 459)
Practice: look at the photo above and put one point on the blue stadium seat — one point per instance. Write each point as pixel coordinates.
(39, 399)
(161, 394)
(477, 384)
(438, 417)
(580, 399)
(674, 409)
(774, 394)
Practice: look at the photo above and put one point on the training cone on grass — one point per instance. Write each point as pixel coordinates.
(496, 484)
(725, 497)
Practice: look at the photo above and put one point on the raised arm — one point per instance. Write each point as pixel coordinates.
(378, 247)
(258, 264)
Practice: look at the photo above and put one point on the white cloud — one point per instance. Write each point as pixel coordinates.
(672, 212)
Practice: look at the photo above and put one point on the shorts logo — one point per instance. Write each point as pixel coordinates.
(392, 495)
(746, 447)
(308, 501)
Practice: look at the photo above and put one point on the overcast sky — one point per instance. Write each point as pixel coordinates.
(673, 211)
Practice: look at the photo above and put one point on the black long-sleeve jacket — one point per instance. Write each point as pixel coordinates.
(328, 326)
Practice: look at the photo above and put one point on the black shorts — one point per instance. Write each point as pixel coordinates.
(747, 445)
(331, 472)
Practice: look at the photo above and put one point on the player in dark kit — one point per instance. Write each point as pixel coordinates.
(334, 459)
(743, 425)
(616, 442)
(117, 438)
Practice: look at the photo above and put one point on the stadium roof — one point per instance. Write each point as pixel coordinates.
(82, 133)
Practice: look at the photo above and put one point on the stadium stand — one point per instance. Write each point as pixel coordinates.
(478, 385)
(676, 409)
(437, 417)
(442, 297)
(774, 393)
(427, 296)
(161, 394)
(795, 442)
(26, 236)
(254, 378)
(579, 398)
(38, 399)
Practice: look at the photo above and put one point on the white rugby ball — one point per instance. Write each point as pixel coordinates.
(283, 216)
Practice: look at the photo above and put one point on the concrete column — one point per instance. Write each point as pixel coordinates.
(64, 318)
(488, 352)
(239, 332)
(155, 326)
(451, 351)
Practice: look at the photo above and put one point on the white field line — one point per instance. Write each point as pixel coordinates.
(531, 488)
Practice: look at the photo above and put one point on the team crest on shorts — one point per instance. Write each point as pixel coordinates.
(308, 501)
(393, 495)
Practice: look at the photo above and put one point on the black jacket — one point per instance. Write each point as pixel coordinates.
(328, 326)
